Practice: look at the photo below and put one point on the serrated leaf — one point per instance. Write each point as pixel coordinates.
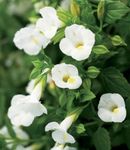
(101, 139)
(113, 81)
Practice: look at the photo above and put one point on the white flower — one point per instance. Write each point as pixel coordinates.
(24, 109)
(19, 133)
(78, 42)
(111, 108)
(60, 134)
(66, 76)
(49, 23)
(30, 40)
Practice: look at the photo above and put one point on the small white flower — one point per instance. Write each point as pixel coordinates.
(30, 40)
(78, 42)
(24, 109)
(50, 23)
(60, 134)
(111, 108)
(66, 76)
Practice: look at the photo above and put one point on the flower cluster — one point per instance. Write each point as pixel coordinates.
(77, 44)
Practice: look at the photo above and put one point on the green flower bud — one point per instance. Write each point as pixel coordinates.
(74, 7)
(100, 9)
(100, 49)
(80, 128)
(117, 40)
(93, 72)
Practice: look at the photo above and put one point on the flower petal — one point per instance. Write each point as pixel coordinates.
(62, 137)
(52, 126)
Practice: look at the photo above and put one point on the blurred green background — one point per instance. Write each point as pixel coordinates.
(15, 66)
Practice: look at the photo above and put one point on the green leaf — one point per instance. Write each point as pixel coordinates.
(115, 10)
(62, 99)
(86, 95)
(35, 73)
(113, 81)
(101, 139)
(37, 63)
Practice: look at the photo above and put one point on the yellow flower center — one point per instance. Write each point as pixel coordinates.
(115, 109)
(35, 40)
(68, 79)
(79, 45)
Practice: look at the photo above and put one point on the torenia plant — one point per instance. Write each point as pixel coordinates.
(80, 76)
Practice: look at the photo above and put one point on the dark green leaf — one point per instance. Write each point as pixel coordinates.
(101, 139)
(114, 81)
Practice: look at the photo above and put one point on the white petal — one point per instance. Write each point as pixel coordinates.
(48, 30)
(17, 99)
(52, 126)
(105, 115)
(77, 83)
(22, 119)
(118, 100)
(30, 86)
(66, 46)
(106, 101)
(109, 100)
(62, 137)
(81, 54)
(119, 116)
(46, 11)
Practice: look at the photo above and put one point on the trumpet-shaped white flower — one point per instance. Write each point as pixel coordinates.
(30, 40)
(60, 134)
(66, 76)
(49, 23)
(24, 109)
(19, 133)
(78, 42)
(111, 108)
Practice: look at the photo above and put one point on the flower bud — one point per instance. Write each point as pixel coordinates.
(100, 9)
(117, 40)
(74, 7)
(93, 72)
(100, 49)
